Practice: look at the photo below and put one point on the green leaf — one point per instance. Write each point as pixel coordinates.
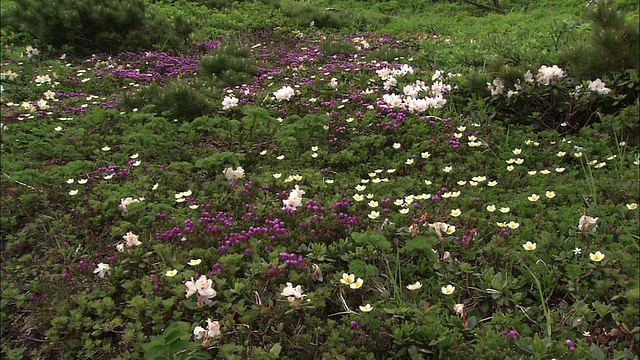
(420, 245)
(74, 343)
(155, 352)
(171, 335)
(596, 352)
(275, 350)
(178, 346)
(376, 240)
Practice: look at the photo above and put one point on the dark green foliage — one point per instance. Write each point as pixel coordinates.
(387, 53)
(221, 4)
(303, 15)
(229, 65)
(96, 26)
(612, 47)
(338, 47)
(178, 99)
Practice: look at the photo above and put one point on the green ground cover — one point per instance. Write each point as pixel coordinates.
(320, 180)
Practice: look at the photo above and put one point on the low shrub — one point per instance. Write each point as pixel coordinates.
(96, 26)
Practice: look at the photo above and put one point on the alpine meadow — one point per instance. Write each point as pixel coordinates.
(324, 179)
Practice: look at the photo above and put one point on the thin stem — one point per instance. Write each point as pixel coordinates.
(545, 308)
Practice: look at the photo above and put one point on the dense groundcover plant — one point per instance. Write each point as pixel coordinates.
(329, 205)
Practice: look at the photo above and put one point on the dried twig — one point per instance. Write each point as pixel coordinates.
(23, 184)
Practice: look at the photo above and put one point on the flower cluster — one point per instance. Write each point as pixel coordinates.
(102, 270)
(350, 279)
(229, 102)
(284, 93)
(549, 75)
(202, 288)
(212, 332)
(598, 87)
(231, 174)
(294, 200)
(587, 223)
(126, 202)
(130, 240)
(442, 229)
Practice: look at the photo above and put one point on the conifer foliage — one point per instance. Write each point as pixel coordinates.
(612, 47)
(93, 25)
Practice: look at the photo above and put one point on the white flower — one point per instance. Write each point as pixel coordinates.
(415, 286)
(366, 308)
(577, 251)
(231, 174)
(199, 332)
(102, 270)
(587, 223)
(409, 161)
(373, 215)
(58, 128)
(203, 285)
(425, 155)
(448, 290)
(597, 257)
(505, 209)
(458, 308)
(131, 239)
(356, 284)
(82, 181)
(171, 273)
(134, 156)
(107, 177)
(294, 200)
(396, 145)
(443, 228)
(190, 288)
(533, 197)
(491, 208)
(513, 225)
(296, 292)
(358, 197)
(194, 262)
(447, 169)
(213, 329)
(73, 192)
(348, 279)
(550, 194)
(229, 102)
(456, 212)
(529, 246)
(124, 203)
(284, 93)
(598, 86)
(106, 148)
(547, 75)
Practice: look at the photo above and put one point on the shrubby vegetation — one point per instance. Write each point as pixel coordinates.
(97, 26)
(295, 182)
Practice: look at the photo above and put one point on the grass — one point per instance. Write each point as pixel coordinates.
(155, 209)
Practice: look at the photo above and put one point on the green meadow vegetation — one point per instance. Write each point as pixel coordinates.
(324, 179)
